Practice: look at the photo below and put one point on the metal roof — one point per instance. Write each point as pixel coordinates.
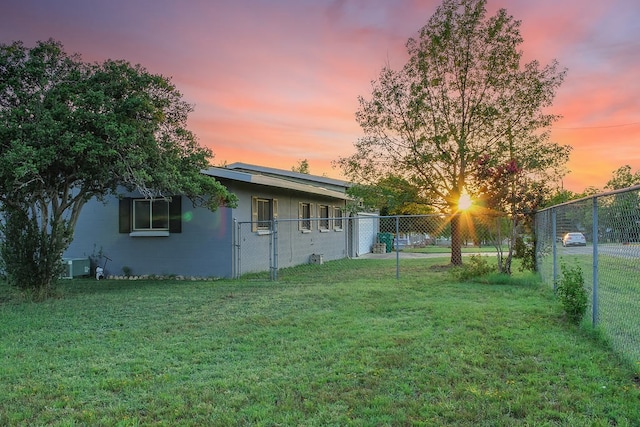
(286, 174)
(280, 179)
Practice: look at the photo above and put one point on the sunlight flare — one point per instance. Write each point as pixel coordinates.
(464, 202)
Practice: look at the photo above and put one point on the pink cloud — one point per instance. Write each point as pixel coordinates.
(275, 82)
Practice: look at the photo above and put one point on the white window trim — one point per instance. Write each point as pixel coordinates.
(341, 218)
(148, 232)
(264, 224)
(326, 220)
(302, 219)
(256, 226)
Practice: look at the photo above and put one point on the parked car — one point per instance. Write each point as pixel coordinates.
(574, 239)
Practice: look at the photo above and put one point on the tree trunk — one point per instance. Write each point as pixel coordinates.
(499, 244)
(512, 242)
(456, 241)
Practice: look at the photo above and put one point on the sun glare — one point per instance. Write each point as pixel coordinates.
(464, 202)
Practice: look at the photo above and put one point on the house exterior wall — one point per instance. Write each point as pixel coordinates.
(211, 244)
(255, 250)
(202, 248)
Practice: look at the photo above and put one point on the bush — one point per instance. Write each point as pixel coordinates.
(31, 258)
(573, 295)
(475, 266)
(520, 247)
(525, 251)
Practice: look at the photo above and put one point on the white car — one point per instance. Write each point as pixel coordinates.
(574, 239)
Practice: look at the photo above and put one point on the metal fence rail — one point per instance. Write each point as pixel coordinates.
(610, 259)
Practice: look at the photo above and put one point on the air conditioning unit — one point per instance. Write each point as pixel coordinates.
(75, 267)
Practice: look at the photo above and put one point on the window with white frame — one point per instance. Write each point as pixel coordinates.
(337, 218)
(323, 213)
(150, 215)
(263, 212)
(304, 216)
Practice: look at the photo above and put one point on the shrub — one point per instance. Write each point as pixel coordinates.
(474, 266)
(30, 257)
(573, 295)
(529, 258)
(525, 251)
(520, 247)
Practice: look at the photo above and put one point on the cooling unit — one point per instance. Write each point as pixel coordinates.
(75, 267)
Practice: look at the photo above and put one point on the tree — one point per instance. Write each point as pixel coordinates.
(394, 195)
(561, 195)
(509, 195)
(301, 167)
(71, 131)
(391, 195)
(620, 213)
(623, 178)
(462, 94)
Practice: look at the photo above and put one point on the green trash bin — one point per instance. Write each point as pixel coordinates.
(387, 239)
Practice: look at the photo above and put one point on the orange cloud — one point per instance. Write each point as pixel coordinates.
(276, 82)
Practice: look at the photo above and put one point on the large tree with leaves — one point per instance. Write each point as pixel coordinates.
(619, 213)
(463, 94)
(623, 178)
(391, 195)
(71, 131)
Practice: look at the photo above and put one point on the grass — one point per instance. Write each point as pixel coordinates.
(333, 347)
(618, 301)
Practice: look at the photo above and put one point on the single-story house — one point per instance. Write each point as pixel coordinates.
(133, 235)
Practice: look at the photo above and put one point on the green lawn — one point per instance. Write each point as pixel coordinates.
(618, 298)
(337, 346)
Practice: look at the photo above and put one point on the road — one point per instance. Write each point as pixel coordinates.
(613, 249)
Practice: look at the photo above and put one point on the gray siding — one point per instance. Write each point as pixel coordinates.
(205, 245)
(203, 248)
(294, 247)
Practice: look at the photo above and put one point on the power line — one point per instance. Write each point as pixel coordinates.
(598, 127)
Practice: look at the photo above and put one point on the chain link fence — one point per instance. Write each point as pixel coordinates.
(609, 257)
(270, 248)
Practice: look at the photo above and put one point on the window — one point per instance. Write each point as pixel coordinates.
(147, 217)
(337, 218)
(263, 212)
(304, 216)
(150, 215)
(323, 211)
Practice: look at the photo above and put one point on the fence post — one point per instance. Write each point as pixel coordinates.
(274, 242)
(236, 269)
(595, 262)
(397, 247)
(555, 248)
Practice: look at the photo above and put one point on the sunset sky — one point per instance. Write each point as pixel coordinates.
(276, 81)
